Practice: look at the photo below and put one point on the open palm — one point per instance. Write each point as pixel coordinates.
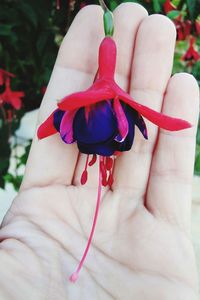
(141, 248)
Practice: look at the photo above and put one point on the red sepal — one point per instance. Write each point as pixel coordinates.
(47, 128)
(159, 119)
(99, 91)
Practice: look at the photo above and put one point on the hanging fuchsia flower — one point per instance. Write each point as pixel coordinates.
(82, 4)
(183, 28)
(11, 97)
(102, 120)
(192, 55)
(168, 6)
(3, 75)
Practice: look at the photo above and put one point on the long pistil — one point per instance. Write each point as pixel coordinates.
(74, 276)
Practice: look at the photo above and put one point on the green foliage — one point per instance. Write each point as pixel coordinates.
(23, 158)
(193, 8)
(7, 129)
(14, 180)
(27, 32)
(173, 14)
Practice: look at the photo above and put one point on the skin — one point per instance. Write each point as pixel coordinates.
(141, 248)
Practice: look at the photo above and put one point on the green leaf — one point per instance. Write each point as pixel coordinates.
(176, 2)
(28, 13)
(197, 164)
(15, 180)
(4, 164)
(112, 5)
(42, 42)
(5, 30)
(173, 14)
(192, 7)
(157, 6)
(198, 135)
(8, 177)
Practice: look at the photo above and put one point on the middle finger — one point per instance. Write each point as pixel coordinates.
(151, 70)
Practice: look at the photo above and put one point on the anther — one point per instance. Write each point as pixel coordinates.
(93, 160)
(84, 175)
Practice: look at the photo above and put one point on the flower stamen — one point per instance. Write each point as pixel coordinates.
(103, 171)
(109, 163)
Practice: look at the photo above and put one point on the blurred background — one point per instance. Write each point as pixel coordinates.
(31, 32)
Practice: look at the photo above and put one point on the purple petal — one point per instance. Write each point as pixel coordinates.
(66, 127)
(139, 121)
(57, 117)
(100, 126)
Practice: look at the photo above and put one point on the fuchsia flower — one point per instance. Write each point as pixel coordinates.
(102, 121)
(168, 6)
(183, 28)
(192, 55)
(11, 97)
(3, 75)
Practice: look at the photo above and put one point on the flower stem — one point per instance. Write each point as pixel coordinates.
(107, 19)
(103, 5)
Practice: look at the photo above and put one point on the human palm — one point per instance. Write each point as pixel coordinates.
(141, 247)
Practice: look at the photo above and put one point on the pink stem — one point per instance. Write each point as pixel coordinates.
(74, 276)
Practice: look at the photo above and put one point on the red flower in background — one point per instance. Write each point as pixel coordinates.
(11, 97)
(192, 55)
(3, 75)
(83, 4)
(168, 6)
(43, 89)
(183, 28)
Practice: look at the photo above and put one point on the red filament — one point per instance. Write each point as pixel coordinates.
(74, 276)
(103, 172)
(110, 179)
(109, 163)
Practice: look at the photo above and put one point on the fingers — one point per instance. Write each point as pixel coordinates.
(151, 69)
(127, 18)
(169, 189)
(50, 160)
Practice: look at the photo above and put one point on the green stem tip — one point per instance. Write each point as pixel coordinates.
(107, 19)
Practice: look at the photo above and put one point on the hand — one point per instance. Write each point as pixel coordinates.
(141, 247)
